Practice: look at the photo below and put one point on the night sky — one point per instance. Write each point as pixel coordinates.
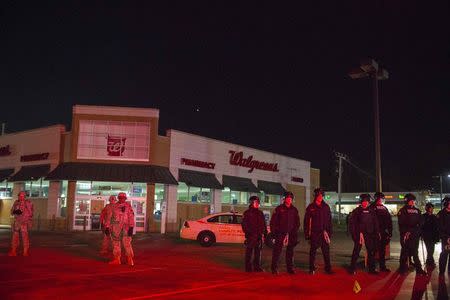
(272, 76)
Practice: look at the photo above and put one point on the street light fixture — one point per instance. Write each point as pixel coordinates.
(370, 68)
(440, 186)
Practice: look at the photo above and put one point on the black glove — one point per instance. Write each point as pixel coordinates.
(107, 232)
(17, 212)
(130, 231)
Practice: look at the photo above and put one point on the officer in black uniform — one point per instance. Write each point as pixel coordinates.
(318, 229)
(409, 223)
(254, 227)
(365, 231)
(285, 222)
(430, 233)
(444, 233)
(385, 227)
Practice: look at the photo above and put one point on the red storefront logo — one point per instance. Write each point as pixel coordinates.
(116, 146)
(34, 157)
(197, 163)
(237, 159)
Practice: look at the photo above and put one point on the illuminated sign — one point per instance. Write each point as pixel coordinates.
(237, 159)
(297, 179)
(197, 163)
(33, 157)
(113, 140)
(389, 197)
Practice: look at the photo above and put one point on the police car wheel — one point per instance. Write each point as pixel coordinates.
(206, 238)
(270, 240)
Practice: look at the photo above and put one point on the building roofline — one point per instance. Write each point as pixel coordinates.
(208, 138)
(61, 126)
(116, 111)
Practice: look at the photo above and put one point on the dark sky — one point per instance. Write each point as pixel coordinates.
(272, 76)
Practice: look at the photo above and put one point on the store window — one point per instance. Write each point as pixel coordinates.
(270, 200)
(193, 194)
(6, 189)
(62, 199)
(159, 199)
(234, 197)
(105, 188)
(37, 189)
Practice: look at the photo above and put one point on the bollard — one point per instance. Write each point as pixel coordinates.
(84, 223)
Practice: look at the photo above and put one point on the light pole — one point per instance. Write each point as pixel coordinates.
(341, 157)
(370, 68)
(440, 186)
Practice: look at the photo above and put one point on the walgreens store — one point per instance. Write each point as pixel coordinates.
(69, 175)
(216, 176)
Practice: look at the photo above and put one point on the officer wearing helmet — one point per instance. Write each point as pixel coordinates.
(385, 226)
(409, 223)
(318, 229)
(364, 229)
(120, 222)
(444, 233)
(254, 227)
(106, 232)
(430, 233)
(284, 224)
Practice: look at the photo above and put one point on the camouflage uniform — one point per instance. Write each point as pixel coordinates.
(106, 233)
(120, 220)
(22, 222)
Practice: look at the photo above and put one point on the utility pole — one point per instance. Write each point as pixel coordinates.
(370, 68)
(340, 156)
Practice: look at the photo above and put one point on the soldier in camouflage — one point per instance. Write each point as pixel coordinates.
(22, 209)
(120, 222)
(106, 232)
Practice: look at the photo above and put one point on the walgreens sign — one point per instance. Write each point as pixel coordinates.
(238, 159)
(113, 140)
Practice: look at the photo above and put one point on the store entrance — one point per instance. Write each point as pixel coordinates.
(92, 197)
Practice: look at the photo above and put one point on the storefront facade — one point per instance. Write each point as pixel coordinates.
(69, 175)
(393, 200)
(216, 176)
(25, 159)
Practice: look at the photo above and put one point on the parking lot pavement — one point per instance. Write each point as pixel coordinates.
(67, 266)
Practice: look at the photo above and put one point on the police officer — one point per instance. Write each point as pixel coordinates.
(318, 229)
(285, 223)
(254, 227)
(444, 233)
(409, 223)
(430, 233)
(385, 226)
(365, 231)
(22, 210)
(106, 232)
(120, 222)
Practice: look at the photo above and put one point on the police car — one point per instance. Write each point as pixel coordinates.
(217, 228)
